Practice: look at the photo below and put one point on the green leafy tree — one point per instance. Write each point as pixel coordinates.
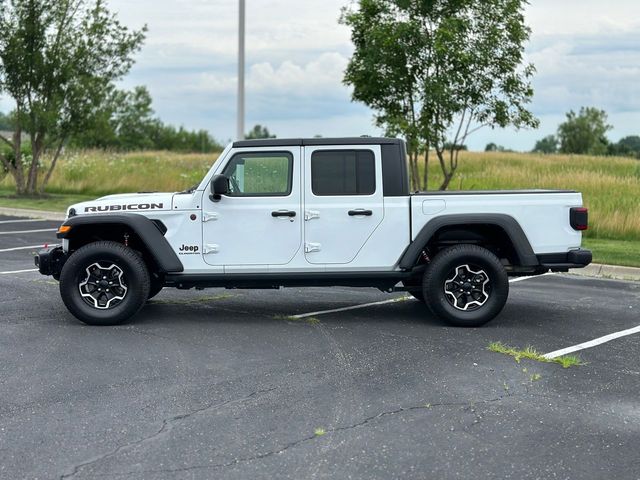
(58, 62)
(127, 122)
(627, 146)
(491, 147)
(258, 131)
(546, 145)
(584, 133)
(494, 147)
(133, 119)
(436, 71)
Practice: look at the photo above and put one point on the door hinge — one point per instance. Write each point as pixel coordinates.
(312, 247)
(211, 248)
(311, 214)
(207, 216)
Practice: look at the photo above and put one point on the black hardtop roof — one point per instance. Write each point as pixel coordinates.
(294, 142)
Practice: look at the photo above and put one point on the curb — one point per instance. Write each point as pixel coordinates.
(595, 270)
(616, 272)
(27, 212)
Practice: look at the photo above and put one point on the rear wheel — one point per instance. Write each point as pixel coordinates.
(104, 283)
(415, 291)
(466, 285)
(156, 285)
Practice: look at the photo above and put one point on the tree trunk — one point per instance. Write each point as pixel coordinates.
(18, 173)
(45, 181)
(426, 169)
(36, 152)
(446, 181)
(447, 173)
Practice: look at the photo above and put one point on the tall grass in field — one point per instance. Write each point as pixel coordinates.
(103, 173)
(610, 186)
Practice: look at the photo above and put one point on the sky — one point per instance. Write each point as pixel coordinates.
(587, 53)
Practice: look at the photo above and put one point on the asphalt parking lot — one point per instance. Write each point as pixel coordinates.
(222, 384)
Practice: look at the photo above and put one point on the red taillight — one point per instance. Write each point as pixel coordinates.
(579, 218)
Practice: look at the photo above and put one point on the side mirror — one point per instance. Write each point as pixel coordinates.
(219, 187)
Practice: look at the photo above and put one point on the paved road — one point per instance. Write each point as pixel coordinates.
(216, 384)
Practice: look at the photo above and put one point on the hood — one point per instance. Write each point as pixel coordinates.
(126, 202)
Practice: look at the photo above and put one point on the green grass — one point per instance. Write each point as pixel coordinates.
(614, 252)
(531, 353)
(52, 202)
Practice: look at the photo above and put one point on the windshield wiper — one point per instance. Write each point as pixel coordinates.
(190, 189)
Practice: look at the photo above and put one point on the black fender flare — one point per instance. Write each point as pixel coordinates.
(146, 229)
(508, 224)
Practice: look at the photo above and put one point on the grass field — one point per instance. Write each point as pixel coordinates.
(610, 186)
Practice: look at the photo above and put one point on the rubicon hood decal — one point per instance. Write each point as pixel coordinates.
(126, 206)
(130, 203)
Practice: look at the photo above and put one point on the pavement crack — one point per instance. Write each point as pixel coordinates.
(167, 425)
(309, 438)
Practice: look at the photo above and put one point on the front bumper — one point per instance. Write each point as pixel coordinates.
(50, 261)
(562, 262)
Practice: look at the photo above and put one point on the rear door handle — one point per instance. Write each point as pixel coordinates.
(366, 213)
(283, 213)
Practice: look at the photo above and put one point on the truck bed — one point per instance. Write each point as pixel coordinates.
(542, 214)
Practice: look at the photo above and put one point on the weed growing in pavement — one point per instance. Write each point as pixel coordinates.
(293, 318)
(318, 432)
(531, 353)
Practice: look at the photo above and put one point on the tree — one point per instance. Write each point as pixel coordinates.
(546, 145)
(58, 62)
(584, 133)
(126, 121)
(491, 147)
(627, 146)
(436, 71)
(258, 131)
(133, 119)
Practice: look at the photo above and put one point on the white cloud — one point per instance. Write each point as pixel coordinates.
(321, 76)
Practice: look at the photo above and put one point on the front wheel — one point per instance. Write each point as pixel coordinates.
(466, 285)
(104, 283)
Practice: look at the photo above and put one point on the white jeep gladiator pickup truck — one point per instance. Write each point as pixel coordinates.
(313, 212)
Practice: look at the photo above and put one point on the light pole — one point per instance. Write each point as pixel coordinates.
(240, 126)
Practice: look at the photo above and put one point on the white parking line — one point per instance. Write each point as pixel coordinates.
(393, 300)
(593, 343)
(20, 248)
(344, 309)
(519, 279)
(23, 220)
(19, 271)
(30, 231)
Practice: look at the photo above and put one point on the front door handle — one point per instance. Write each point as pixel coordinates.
(366, 213)
(283, 213)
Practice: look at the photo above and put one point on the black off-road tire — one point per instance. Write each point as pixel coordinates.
(484, 291)
(156, 285)
(416, 292)
(134, 275)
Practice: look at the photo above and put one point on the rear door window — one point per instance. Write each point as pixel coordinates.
(343, 172)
